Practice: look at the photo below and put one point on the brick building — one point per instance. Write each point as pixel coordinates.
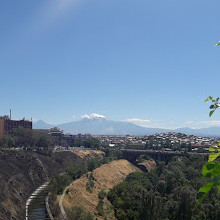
(7, 125)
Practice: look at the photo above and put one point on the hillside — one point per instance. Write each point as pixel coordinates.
(106, 177)
(22, 172)
(88, 154)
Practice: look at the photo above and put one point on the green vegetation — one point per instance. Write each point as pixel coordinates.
(59, 182)
(215, 104)
(7, 142)
(111, 155)
(92, 143)
(168, 192)
(90, 184)
(28, 139)
(211, 169)
(101, 196)
(100, 208)
(78, 142)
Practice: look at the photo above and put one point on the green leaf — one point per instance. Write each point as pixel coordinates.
(215, 148)
(211, 112)
(203, 191)
(211, 170)
(215, 153)
(210, 166)
(218, 44)
(213, 156)
(207, 168)
(209, 98)
(215, 172)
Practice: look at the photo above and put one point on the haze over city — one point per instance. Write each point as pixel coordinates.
(151, 63)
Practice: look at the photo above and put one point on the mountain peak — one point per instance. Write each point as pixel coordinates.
(93, 116)
(42, 124)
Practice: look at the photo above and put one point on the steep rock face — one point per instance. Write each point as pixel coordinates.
(22, 172)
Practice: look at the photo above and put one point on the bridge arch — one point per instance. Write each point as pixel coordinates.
(132, 155)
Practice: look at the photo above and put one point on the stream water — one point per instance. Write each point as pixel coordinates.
(36, 207)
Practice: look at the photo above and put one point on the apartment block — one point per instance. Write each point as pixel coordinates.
(7, 125)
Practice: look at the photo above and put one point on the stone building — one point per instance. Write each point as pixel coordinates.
(7, 125)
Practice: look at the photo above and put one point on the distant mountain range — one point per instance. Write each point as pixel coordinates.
(102, 126)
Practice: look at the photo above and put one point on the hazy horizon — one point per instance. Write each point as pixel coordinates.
(142, 123)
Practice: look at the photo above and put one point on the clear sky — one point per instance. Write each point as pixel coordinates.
(154, 61)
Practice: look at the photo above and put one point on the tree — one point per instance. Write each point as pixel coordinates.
(77, 142)
(7, 141)
(23, 137)
(43, 142)
(92, 143)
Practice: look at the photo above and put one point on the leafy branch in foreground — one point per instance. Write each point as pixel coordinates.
(215, 104)
(218, 44)
(211, 169)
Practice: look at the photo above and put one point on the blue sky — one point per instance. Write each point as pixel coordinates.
(153, 61)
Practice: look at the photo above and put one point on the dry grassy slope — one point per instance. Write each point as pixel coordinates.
(107, 176)
(88, 154)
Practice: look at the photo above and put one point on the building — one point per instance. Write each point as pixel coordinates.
(56, 132)
(7, 125)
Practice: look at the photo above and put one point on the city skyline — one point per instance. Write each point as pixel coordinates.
(149, 63)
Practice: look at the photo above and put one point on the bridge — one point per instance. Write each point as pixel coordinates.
(157, 155)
